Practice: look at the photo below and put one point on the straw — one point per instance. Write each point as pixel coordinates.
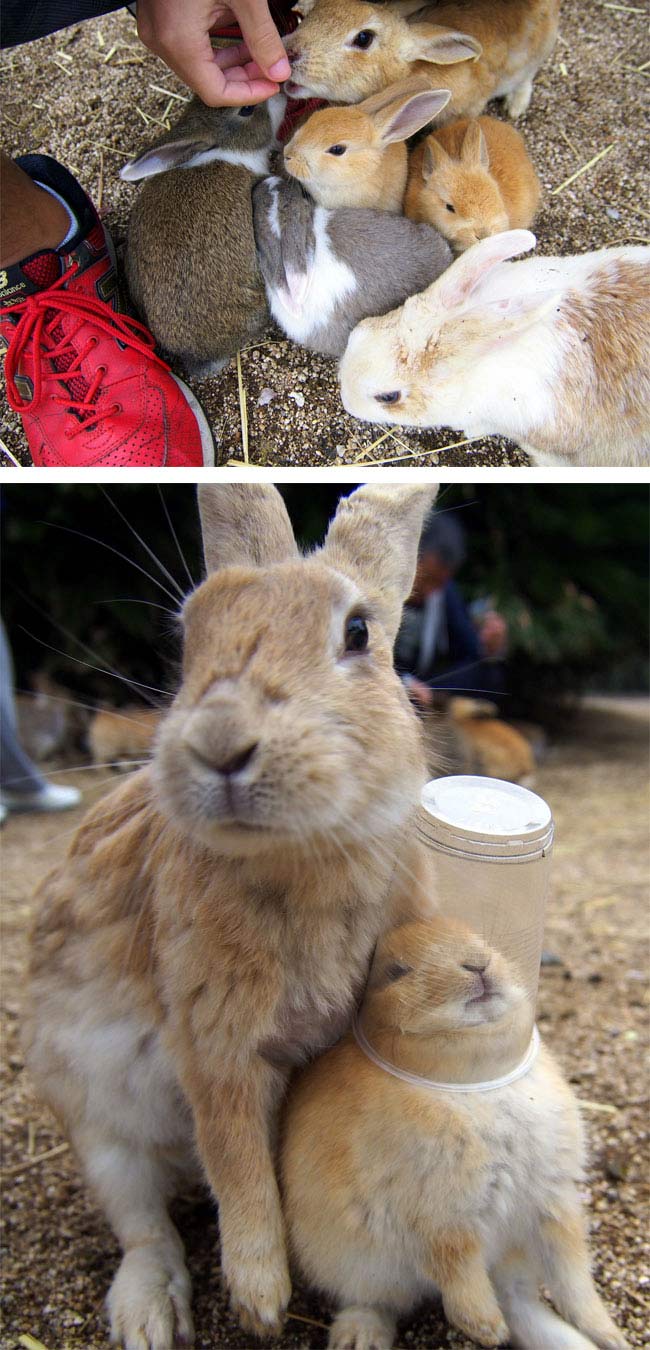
(243, 409)
(578, 173)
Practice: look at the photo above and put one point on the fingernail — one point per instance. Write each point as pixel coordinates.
(281, 70)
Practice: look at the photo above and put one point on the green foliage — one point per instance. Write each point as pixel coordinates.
(565, 564)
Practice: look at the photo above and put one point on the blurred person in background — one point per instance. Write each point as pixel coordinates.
(442, 642)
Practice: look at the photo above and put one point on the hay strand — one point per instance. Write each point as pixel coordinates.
(579, 172)
(243, 409)
(30, 1342)
(6, 451)
(34, 1162)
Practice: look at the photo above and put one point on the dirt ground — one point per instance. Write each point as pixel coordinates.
(593, 1009)
(92, 96)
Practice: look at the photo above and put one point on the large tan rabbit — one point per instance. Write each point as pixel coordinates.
(213, 921)
(478, 49)
(394, 1190)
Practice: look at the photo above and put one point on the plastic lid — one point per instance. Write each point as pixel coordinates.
(486, 808)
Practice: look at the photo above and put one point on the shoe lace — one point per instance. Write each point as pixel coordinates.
(40, 317)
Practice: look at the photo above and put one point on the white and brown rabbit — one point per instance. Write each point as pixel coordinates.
(356, 156)
(326, 270)
(551, 352)
(472, 178)
(214, 919)
(476, 48)
(190, 258)
(394, 1191)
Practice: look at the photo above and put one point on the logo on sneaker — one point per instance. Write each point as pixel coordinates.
(3, 280)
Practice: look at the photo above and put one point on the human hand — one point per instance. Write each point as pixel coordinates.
(420, 692)
(180, 34)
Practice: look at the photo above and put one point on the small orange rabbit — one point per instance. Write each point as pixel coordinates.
(394, 1190)
(472, 178)
(356, 156)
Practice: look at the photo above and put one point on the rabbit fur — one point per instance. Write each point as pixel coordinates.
(190, 256)
(370, 163)
(394, 1191)
(470, 179)
(212, 923)
(326, 270)
(477, 49)
(551, 352)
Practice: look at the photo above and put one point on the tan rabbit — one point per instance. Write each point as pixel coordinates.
(119, 735)
(213, 921)
(471, 179)
(476, 48)
(394, 1191)
(464, 736)
(356, 156)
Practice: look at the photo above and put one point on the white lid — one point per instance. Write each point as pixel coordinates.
(486, 808)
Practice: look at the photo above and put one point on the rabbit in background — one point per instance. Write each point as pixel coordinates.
(394, 1191)
(212, 924)
(552, 352)
(475, 48)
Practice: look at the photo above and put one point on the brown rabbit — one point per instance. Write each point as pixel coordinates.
(356, 156)
(471, 179)
(118, 736)
(214, 919)
(394, 1190)
(190, 259)
(478, 49)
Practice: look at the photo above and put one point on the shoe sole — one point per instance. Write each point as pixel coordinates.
(207, 439)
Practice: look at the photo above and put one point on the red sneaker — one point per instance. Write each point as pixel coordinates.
(84, 376)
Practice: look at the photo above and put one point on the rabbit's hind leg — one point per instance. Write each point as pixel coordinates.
(149, 1299)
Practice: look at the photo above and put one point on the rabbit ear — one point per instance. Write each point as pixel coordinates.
(244, 525)
(402, 119)
(159, 158)
(517, 312)
(435, 158)
(474, 151)
(443, 46)
(456, 285)
(374, 539)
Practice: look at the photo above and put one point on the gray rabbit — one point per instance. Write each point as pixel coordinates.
(326, 270)
(190, 262)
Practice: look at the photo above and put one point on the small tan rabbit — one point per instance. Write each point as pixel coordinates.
(476, 48)
(394, 1190)
(214, 919)
(472, 178)
(117, 736)
(356, 156)
(464, 735)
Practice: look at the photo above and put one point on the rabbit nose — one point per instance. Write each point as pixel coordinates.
(294, 55)
(236, 762)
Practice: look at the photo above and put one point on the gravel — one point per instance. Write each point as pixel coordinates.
(85, 93)
(59, 1255)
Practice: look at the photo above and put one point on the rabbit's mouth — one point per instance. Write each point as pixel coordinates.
(293, 90)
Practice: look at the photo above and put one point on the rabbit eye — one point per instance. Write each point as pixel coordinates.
(337, 149)
(450, 207)
(356, 634)
(392, 397)
(247, 111)
(364, 39)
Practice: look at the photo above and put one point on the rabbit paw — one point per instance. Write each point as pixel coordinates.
(361, 1329)
(485, 1330)
(259, 1293)
(517, 102)
(149, 1301)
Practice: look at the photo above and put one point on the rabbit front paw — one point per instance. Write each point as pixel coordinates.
(260, 1290)
(149, 1301)
(361, 1329)
(485, 1330)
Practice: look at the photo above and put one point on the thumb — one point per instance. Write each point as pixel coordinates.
(262, 38)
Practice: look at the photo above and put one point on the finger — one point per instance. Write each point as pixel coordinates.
(262, 38)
